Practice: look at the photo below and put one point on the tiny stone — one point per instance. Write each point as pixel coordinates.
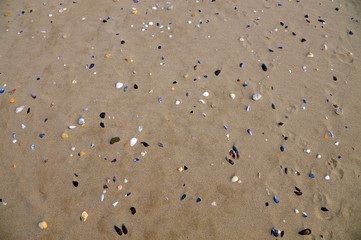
(119, 85)
(327, 177)
(81, 121)
(234, 179)
(310, 55)
(264, 67)
(213, 204)
(43, 225)
(205, 94)
(232, 95)
(84, 216)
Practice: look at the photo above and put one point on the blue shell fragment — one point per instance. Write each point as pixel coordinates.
(91, 66)
(160, 100)
(160, 144)
(41, 135)
(282, 148)
(235, 149)
(198, 200)
(128, 194)
(249, 131)
(241, 65)
(311, 175)
(2, 90)
(275, 232)
(275, 199)
(183, 197)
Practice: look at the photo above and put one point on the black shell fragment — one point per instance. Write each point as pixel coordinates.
(280, 123)
(264, 67)
(75, 183)
(298, 189)
(274, 232)
(102, 115)
(124, 228)
(298, 193)
(306, 231)
(230, 161)
(235, 149)
(118, 230)
(135, 86)
(102, 124)
(324, 209)
(217, 72)
(282, 233)
(28, 111)
(132, 209)
(145, 144)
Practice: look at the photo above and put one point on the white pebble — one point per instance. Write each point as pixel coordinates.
(214, 204)
(296, 211)
(337, 143)
(71, 127)
(140, 128)
(202, 101)
(177, 102)
(23, 126)
(307, 150)
(318, 156)
(102, 198)
(125, 180)
(205, 94)
(115, 204)
(119, 85)
(256, 97)
(232, 95)
(133, 141)
(327, 177)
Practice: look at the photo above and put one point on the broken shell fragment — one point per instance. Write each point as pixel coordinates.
(43, 225)
(19, 109)
(133, 141)
(81, 121)
(119, 85)
(310, 55)
(234, 179)
(232, 95)
(84, 216)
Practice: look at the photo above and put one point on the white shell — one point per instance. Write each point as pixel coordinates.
(140, 128)
(205, 94)
(232, 95)
(337, 143)
(81, 121)
(133, 141)
(119, 85)
(324, 47)
(327, 177)
(296, 211)
(214, 204)
(256, 97)
(202, 101)
(125, 180)
(71, 127)
(177, 102)
(310, 55)
(234, 179)
(318, 156)
(19, 109)
(102, 198)
(115, 204)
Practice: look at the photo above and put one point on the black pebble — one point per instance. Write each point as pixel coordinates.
(102, 124)
(334, 78)
(266, 204)
(286, 170)
(118, 230)
(306, 231)
(122, 42)
(132, 209)
(183, 197)
(135, 86)
(114, 160)
(102, 115)
(336, 9)
(306, 16)
(282, 233)
(217, 72)
(303, 40)
(264, 67)
(185, 168)
(324, 209)
(350, 32)
(125, 230)
(298, 189)
(28, 111)
(145, 144)
(75, 183)
(280, 123)
(320, 20)
(104, 21)
(282, 24)
(293, 33)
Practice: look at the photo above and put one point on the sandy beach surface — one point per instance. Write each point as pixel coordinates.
(228, 119)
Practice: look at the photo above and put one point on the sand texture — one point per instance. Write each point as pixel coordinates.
(186, 73)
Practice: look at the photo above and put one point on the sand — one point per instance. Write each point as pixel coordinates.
(171, 55)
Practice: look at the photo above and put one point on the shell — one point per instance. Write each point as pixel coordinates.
(43, 225)
(119, 85)
(234, 179)
(19, 109)
(133, 141)
(232, 95)
(256, 97)
(84, 216)
(310, 55)
(205, 94)
(81, 121)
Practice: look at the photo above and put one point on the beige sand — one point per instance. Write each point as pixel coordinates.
(39, 186)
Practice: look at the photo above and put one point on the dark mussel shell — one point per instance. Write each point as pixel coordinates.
(118, 230)
(306, 231)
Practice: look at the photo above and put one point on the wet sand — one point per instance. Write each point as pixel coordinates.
(161, 56)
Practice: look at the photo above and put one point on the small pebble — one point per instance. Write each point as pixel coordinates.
(84, 216)
(327, 177)
(264, 67)
(205, 94)
(324, 209)
(133, 141)
(232, 95)
(114, 140)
